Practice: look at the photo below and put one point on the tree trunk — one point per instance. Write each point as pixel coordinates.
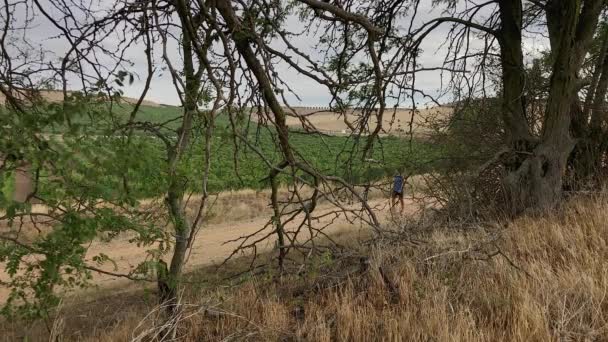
(517, 129)
(176, 189)
(182, 231)
(598, 110)
(598, 74)
(277, 222)
(588, 155)
(595, 142)
(24, 183)
(242, 41)
(535, 178)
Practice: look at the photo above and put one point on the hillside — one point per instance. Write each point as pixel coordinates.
(395, 121)
(354, 170)
(56, 96)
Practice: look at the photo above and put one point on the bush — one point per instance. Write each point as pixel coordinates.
(468, 139)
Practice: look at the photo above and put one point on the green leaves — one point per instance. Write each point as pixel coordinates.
(122, 76)
(79, 183)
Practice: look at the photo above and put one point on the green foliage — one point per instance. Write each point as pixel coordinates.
(7, 186)
(76, 172)
(337, 156)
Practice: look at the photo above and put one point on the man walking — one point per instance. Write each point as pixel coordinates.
(397, 193)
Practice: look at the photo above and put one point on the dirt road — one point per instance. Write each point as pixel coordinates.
(210, 246)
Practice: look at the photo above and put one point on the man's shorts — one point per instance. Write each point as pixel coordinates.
(397, 194)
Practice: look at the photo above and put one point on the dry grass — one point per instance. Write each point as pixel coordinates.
(549, 284)
(227, 206)
(248, 204)
(395, 122)
(55, 96)
(447, 290)
(233, 206)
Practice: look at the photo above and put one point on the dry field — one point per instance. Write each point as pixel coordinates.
(55, 96)
(396, 122)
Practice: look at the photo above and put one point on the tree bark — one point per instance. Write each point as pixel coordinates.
(176, 189)
(584, 159)
(598, 109)
(592, 147)
(517, 130)
(242, 41)
(537, 181)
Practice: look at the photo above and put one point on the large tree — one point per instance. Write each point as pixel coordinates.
(534, 161)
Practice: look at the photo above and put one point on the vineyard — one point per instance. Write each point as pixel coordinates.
(102, 158)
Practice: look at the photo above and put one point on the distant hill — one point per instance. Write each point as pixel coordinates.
(56, 96)
(395, 121)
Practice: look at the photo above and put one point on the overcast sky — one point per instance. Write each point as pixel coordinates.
(43, 35)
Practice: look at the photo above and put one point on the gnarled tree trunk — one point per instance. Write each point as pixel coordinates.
(536, 169)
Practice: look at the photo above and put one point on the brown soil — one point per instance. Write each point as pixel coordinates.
(210, 246)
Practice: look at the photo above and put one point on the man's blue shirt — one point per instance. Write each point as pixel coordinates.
(398, 184)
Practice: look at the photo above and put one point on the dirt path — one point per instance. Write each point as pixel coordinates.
(209, 248)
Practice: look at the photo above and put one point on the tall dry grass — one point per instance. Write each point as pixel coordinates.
(534, 279)
(538, 279)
